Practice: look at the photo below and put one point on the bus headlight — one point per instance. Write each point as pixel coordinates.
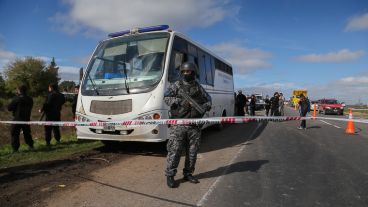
(81, 118)
(149, 116)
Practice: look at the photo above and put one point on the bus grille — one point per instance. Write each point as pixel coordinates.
(111, 107)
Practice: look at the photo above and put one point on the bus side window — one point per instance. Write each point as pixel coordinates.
(202, 67)
(209, 69)
(177, 58)
(193, 56)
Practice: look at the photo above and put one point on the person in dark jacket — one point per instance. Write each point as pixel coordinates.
(252, 105)
(267, 105)
(185, 137)
(21, 106)
(275, 104)
(240, 101)
(304, 108)
(75, 99)
(52, 108)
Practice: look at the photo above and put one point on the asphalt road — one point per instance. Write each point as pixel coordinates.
(255, 164)
(285, 166)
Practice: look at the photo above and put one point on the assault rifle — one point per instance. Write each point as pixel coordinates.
(191, 101)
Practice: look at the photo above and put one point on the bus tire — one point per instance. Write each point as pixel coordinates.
(110, 144)
(221, 126)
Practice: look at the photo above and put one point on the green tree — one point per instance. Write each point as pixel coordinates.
(52, 72)
(2, 86)
(31, 72)
(67, 86)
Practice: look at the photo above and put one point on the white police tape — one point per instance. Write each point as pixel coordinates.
(213, 120)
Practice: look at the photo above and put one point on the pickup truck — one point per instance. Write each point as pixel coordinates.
(330, 106)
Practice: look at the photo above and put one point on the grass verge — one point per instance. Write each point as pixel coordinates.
(358, 114)
(69, 145)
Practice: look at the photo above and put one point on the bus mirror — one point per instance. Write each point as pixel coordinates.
(80, 74)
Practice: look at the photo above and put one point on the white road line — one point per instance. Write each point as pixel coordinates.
(330, 124)
(214, 184)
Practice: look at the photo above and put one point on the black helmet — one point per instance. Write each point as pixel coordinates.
(189, 66)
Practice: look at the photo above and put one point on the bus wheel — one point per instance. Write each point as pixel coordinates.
(221, 126)
(110, 144)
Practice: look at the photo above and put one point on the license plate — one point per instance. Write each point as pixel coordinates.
(109, 128)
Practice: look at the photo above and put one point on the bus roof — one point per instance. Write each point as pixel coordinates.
(126, 33)
(200, 46)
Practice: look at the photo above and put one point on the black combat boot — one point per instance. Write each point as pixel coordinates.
(171, 182)
(191, 179)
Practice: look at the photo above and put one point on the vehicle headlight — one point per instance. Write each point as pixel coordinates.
(81, 118)
(342, 107)
(328, 107)
(149, 116)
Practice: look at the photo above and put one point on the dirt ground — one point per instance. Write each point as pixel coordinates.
(31, 185)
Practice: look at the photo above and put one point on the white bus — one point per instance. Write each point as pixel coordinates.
(128, 74)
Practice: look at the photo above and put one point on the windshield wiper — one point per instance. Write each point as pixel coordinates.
(93, 84)
(113, 61)
(124, 68)
(126, 78)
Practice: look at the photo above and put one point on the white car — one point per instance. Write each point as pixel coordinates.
(312, 104)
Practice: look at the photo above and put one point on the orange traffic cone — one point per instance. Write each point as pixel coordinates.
(314, 112)
(350, 129)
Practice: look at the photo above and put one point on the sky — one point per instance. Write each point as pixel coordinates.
(273, 45)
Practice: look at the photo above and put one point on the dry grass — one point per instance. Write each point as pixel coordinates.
(37, 131)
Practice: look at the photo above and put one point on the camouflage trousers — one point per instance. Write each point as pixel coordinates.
(182, 137)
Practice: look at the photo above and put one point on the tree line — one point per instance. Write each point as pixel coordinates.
(33, 73)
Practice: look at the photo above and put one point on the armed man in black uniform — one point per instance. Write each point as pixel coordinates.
(21, 106)
(185, 136)
(52, 108)
(75, 100)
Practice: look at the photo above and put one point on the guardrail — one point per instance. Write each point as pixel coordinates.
(359, 109)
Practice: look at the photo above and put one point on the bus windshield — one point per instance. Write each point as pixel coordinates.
(130, 64)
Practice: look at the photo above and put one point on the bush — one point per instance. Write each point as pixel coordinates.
(1, 103)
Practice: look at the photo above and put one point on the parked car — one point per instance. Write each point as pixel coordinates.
(312, 103)
(330, 106)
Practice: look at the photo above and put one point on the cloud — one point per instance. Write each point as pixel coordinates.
(82, 60)
(46, 59)
(244, 60)
(69, 73)
(350, 89)
(91, 16)
(5, 57)
(343, 55)
(357, 23)
(354, 81)
(270, 88)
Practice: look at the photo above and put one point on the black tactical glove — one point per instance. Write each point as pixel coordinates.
(186, 105)
(207, 107)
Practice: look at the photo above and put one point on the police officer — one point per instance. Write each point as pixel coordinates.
(241, 102)
(75, 99)
(267, 105)
(252, 105)
(281, 104)
(304, 108)
(275, 104)
(185, 136)
(52, 108)
(21, 106)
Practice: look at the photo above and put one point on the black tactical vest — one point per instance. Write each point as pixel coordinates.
(183, 109)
